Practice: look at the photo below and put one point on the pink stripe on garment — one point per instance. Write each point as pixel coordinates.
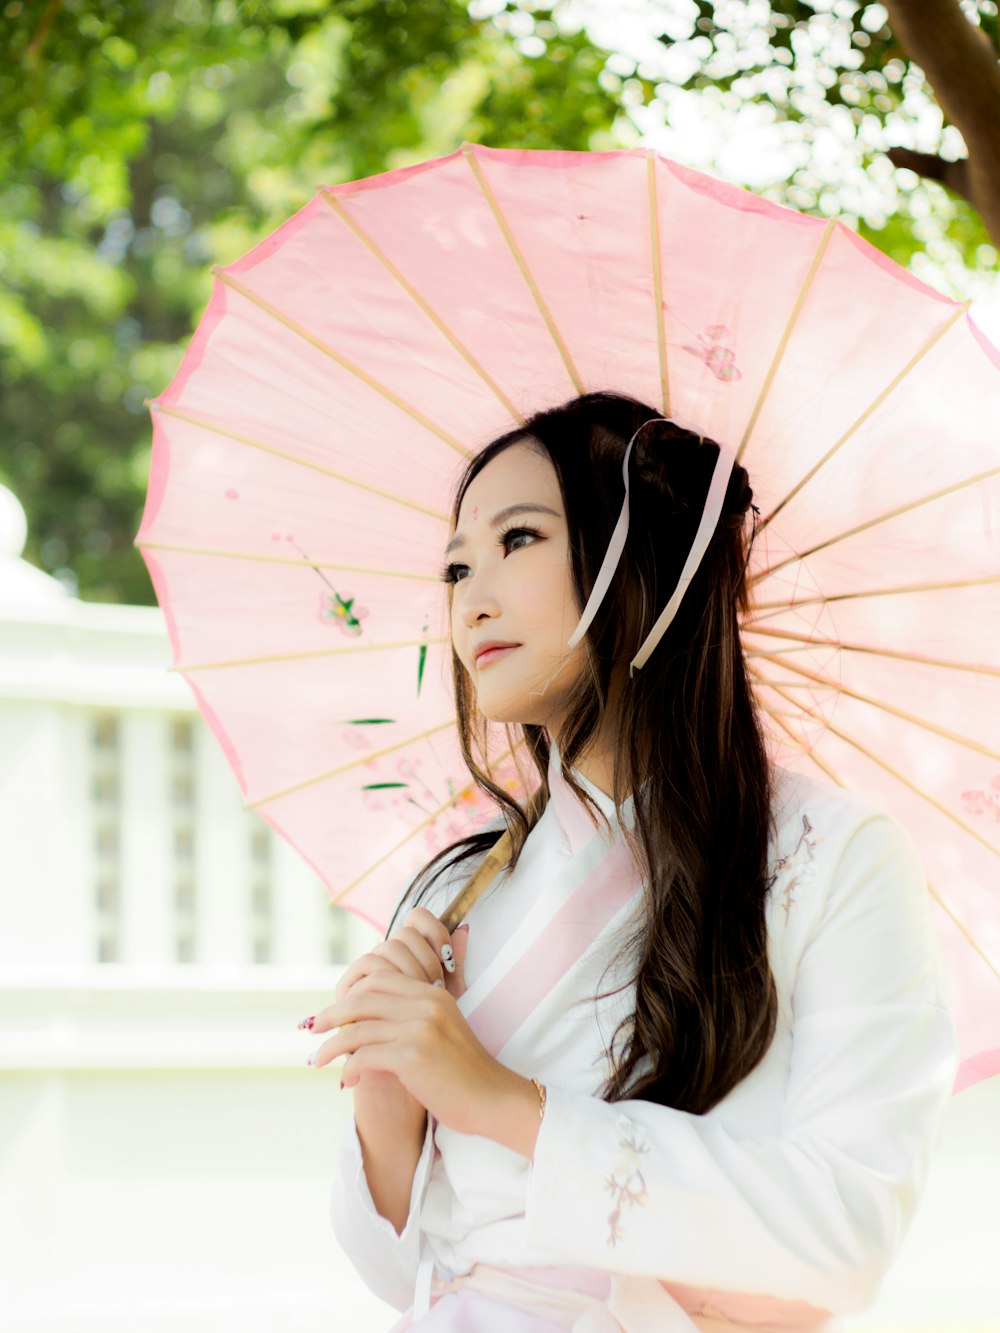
(557, 947)
(977, 1069)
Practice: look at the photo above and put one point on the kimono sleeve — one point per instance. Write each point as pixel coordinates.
(386, 1261)
(815, 1211)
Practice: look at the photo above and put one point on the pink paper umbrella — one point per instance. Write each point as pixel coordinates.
(305, 453)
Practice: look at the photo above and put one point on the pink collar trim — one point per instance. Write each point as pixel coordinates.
(574, 819)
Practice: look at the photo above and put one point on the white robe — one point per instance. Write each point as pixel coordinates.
(796, 1188)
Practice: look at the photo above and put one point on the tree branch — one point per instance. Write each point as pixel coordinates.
(33, 50)
(955, 175)
(961, 67)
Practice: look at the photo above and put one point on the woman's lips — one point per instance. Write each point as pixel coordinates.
(494, 655)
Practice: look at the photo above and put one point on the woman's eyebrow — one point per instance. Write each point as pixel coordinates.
(521, 508)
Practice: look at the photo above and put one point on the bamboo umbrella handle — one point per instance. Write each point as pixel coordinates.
(496, 858)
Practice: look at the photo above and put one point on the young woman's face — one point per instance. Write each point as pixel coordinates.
(509, 564)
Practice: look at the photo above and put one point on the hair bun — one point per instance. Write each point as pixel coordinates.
(678, 465)
(664, 458)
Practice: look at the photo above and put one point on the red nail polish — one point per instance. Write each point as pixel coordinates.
(342, 1085)
(308, 1022)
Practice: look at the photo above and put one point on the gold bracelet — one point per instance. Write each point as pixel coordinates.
(540, 1089)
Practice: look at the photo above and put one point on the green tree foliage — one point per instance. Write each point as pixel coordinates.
(151, 140)
(145, 140)
(835, 71)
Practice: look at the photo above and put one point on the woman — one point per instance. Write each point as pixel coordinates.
(684, 1064)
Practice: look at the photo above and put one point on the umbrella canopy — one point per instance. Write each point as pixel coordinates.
(305, 454)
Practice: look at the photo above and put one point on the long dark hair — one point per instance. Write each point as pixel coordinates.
(691, 752)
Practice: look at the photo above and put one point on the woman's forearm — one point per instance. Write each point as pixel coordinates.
(391, 1129)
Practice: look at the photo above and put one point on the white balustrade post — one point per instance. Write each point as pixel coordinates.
(46, 907)
(222, 858)
(300, 909)
(147, 853)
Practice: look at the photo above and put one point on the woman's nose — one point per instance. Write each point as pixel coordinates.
(479, 602)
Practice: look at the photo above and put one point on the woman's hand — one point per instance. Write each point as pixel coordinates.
(393, 1023)
(413, 951)
(408, 1046)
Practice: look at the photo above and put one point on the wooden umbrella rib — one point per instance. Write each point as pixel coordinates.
(660, 311)
(778, 607)
(963, 928)
(774, 712)
(214, 428)
(817, 678)
(795, 708)
(788, 650)
(895, 654)
(870, 523)
(782, 347)
(893, 772)
(368, 757)
(256, 557)
(342, 361)
(811, 754)
(876, 402)
(791, 684)
(519, 259)
(305, 655)
(806, 750)
(419, 828)
(335, 204)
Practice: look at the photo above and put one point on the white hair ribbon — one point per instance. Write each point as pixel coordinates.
(612, 555)
(724, 465)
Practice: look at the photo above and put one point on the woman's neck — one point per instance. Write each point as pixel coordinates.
(599, 770)
(597, 763)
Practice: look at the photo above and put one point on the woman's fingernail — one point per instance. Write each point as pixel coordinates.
(341, 1085)
(308, 1022)
(448, 957)
(437, 982)
(463, 927)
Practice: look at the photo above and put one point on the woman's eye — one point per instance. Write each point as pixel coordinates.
(513, 539)
(454, 573)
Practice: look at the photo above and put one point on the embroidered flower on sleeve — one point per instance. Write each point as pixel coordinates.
(625, 1183)
(798, 866)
